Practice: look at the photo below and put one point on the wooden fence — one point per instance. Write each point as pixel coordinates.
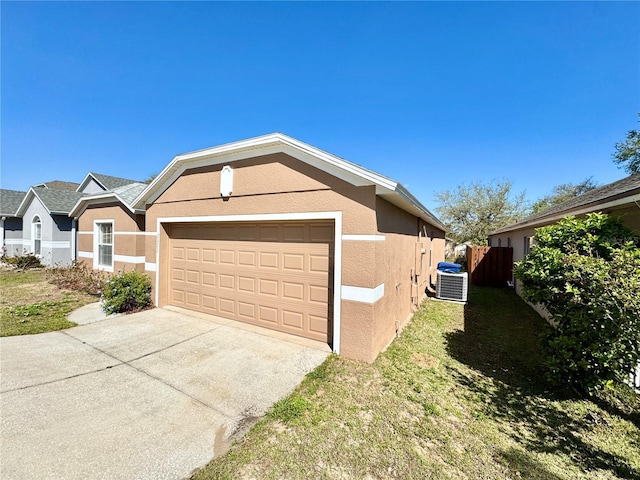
(490, 266)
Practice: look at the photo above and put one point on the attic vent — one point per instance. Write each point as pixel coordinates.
(452, 286)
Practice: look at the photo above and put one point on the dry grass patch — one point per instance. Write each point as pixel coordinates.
(458, 395)
(30, 304)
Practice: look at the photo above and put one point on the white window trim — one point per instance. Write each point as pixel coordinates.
(33, 235)
(96, 237)
(275, 217)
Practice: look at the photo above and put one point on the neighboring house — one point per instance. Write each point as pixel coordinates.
(47, 229)
(59, 185)
(10, 222)
(110, 231)
(276, 233)
(621, 198)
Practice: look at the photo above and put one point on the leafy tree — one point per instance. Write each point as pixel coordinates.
(627, 154)
(150, 178)
(471, 212)
(562, 193)
(586, 274)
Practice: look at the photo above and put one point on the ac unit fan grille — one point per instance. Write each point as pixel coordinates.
(452, 286)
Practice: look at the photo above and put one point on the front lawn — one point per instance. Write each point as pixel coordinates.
(30, 304)
(458, 395)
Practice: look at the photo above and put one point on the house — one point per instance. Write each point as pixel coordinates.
(621, 198)
(104, 219)
(10, 222)
(47, 229)
(276, 233)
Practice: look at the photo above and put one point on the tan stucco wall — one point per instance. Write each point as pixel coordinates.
(123, 221)
(397, 258)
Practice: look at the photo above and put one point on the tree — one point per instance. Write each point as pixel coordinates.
(471, 212)
(586, 274)
(562, 193)
(627, 154)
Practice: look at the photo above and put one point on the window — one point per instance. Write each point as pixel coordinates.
(499, 242)
(36, 235)
(527, 245)
(509, 242)
(104, 244)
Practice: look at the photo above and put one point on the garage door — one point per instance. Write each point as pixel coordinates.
(272, 275)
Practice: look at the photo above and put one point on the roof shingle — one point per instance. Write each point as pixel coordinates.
(10, 200)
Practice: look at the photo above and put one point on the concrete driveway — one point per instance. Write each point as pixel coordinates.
(152, 395)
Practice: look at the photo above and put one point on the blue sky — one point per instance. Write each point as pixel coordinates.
(431, 94)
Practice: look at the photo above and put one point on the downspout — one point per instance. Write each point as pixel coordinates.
(74, 233)
(2, 245)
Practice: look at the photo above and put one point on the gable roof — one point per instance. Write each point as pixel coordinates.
(57, 202)
(107, 182)
(620, 192)
(125, 194)
(59, 185)
(10, 200)
(352, 173)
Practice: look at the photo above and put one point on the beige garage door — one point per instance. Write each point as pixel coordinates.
(275, 275)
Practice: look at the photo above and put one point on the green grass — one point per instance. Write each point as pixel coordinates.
(459, 395)
(29, 304)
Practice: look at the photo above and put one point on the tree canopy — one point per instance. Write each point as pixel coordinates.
(472, 211)
(562, 193)
(627, 154)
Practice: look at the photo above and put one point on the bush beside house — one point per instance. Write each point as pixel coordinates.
(586, 274)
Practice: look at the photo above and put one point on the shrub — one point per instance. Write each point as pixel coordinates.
(24, 262)
(78, 276)
(586, 273)
(126, 292)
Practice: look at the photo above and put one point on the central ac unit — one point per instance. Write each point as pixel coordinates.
(452, 286)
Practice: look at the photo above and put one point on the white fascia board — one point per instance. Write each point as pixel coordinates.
(82, 204)
(540, 222)
(279, 143)
(27, 200)
(265, 145)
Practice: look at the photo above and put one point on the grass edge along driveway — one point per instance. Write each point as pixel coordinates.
(458, 395)
(30, 304)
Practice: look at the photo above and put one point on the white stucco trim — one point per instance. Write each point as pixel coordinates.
(129, 259)
(277, 217)
(55, 244)
(85, 254)
(362, 294)
(364, 238)
(14, 241)
(150, 267)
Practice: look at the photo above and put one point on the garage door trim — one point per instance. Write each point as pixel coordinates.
(275, 217)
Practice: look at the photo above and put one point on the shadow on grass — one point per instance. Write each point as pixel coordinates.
(500, 340)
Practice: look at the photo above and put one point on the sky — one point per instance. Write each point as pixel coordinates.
(431, 94)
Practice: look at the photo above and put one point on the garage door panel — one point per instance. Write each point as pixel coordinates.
(271, 275)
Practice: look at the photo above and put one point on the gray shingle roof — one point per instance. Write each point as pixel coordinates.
(10, 200)
(58, 201)
(594, 198)
(60, 185)
(110, 182)
(128, 193)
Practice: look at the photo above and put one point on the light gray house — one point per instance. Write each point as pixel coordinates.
(10, 222)
(46, 228)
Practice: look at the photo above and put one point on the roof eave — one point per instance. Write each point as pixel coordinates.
(580, 210)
